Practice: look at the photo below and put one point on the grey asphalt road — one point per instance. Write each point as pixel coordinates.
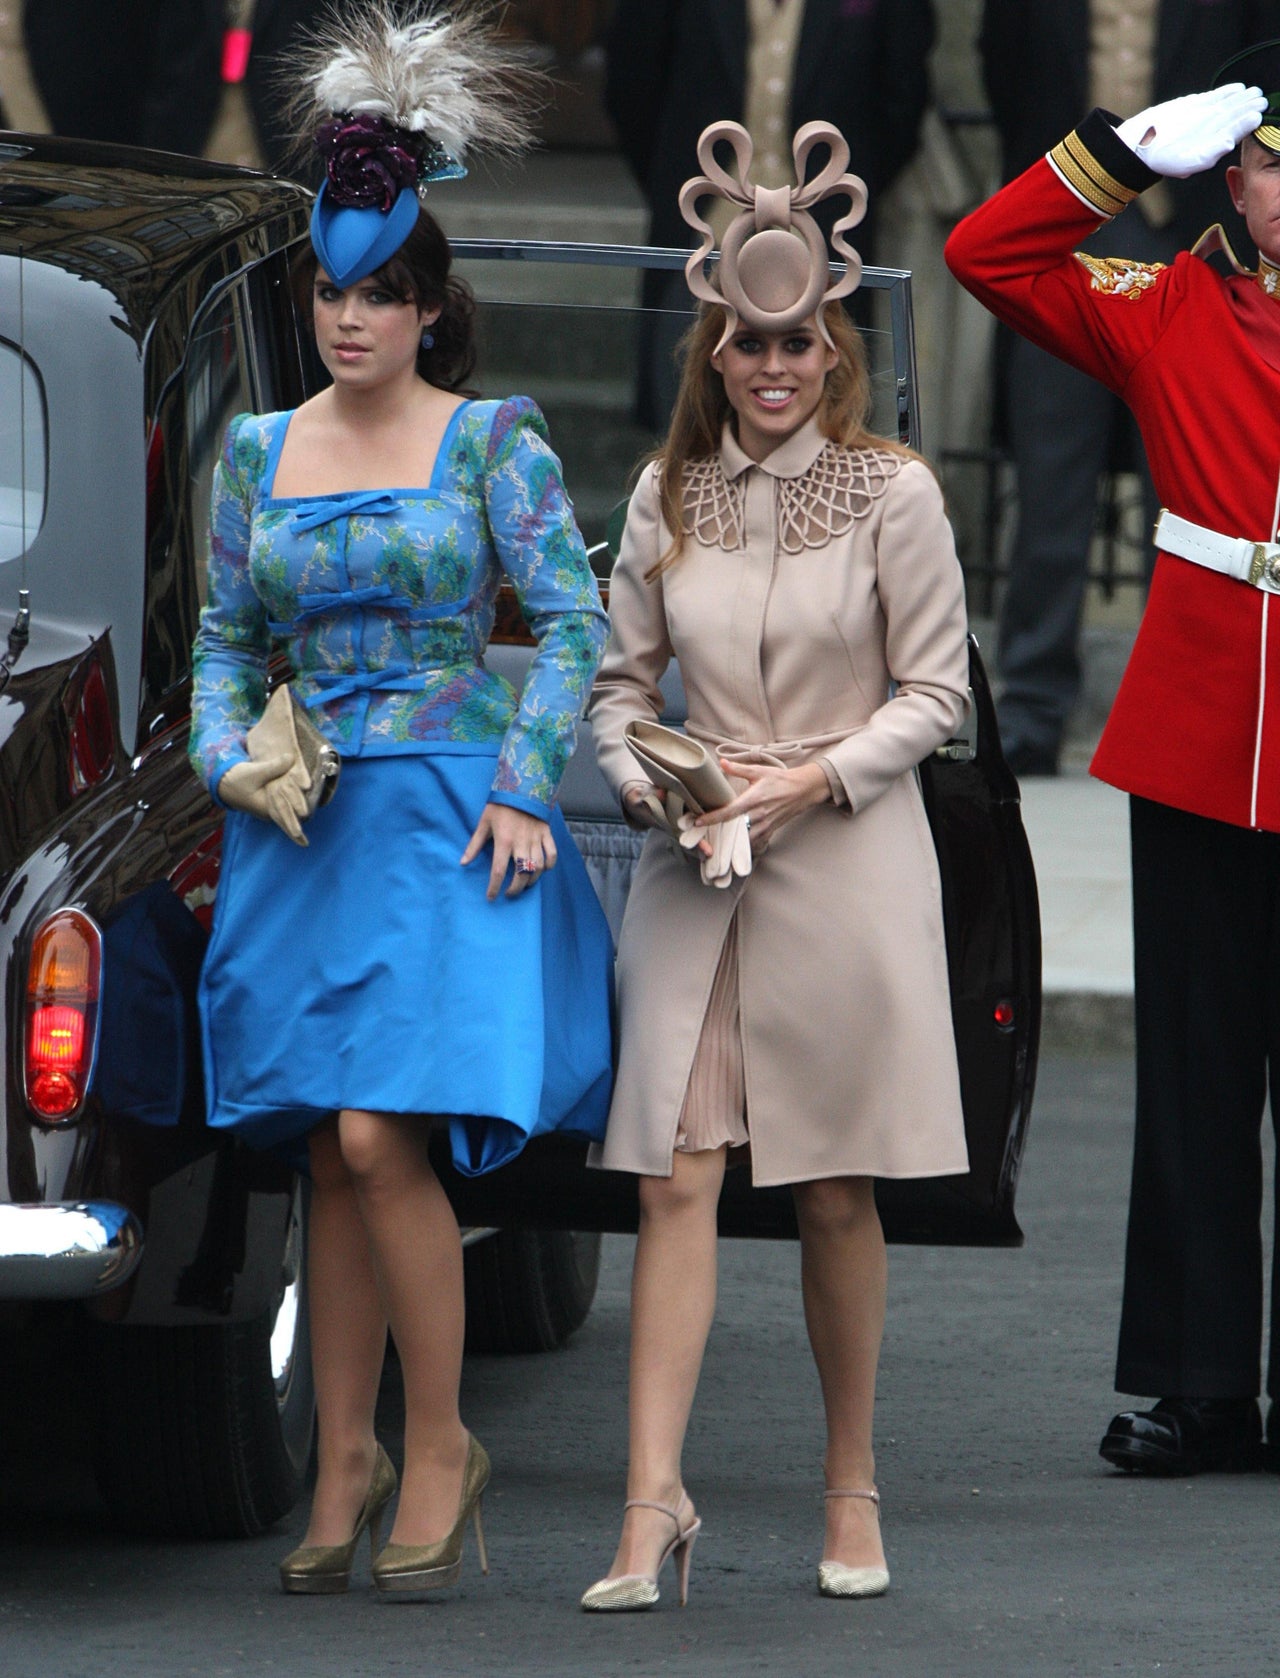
(1013, 1550)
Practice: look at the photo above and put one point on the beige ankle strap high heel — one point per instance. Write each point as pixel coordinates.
(640, 1590)
(835, 1579)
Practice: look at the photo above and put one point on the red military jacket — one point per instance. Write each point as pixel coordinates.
(1196, 355)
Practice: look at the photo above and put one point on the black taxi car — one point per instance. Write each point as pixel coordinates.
(144, 300)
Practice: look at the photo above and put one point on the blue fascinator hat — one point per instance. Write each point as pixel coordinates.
(396, 93)
(368, 202)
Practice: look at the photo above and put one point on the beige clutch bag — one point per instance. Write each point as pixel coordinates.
(285, 729)
(680, 764)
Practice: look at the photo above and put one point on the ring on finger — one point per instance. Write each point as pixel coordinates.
(526, 865)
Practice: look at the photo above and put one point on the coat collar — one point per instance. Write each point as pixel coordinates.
(790, 459)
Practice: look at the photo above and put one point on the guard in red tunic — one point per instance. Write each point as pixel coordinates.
(1194, 736)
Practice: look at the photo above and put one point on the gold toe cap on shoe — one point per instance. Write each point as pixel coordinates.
(835, 1579)
(619, 1595)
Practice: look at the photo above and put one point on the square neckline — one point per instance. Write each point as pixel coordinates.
(414, 493)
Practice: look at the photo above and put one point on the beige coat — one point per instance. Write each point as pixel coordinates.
(808, 584)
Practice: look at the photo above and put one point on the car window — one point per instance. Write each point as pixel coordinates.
(22, 452)
(591, 333)
(217, 386)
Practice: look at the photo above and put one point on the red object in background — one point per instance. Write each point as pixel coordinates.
(195, 879)
(235, 54)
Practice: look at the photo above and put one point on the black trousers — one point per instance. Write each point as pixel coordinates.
(1206, 915)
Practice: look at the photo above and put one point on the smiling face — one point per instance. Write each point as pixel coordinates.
(367, 335)
(1254, 185)
(773, 381)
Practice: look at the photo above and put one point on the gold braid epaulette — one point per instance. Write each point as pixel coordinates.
(1082, 172)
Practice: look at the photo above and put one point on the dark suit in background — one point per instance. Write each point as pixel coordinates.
(137, 72)
(277, 25)
(1062, 425)
(676, 65)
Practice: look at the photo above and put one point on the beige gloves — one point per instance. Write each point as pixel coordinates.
(271, 789)
(730, 848)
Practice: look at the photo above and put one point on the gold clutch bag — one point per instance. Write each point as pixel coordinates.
(285, 729)
(680, 764)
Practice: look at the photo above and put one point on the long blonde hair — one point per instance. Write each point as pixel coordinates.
(702, 407)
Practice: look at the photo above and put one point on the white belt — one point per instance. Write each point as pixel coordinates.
(1256, 563)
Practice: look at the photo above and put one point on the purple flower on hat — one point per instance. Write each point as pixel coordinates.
(368, 160)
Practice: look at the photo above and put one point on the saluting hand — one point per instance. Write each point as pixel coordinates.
(1183, 136)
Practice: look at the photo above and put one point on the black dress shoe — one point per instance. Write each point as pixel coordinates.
(1186, 1436)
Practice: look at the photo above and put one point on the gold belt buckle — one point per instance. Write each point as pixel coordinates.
(1263, 567)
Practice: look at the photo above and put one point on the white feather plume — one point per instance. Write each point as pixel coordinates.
(435, 69)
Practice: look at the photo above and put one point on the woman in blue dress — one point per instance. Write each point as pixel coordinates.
(430, 944)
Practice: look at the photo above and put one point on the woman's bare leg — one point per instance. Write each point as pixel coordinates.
(348, 1342)
(843, 1274)
(673, 1300)
(417, 1260)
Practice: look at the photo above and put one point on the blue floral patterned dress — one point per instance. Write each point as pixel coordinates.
(369, 970)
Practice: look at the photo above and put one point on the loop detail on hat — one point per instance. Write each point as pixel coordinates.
(774, 267)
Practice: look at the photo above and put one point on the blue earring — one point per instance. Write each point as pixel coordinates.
(428, 339)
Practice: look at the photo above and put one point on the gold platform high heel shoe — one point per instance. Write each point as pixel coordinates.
(414, 1568)
(835, 1579)
(640, 1590)
(325, 1569)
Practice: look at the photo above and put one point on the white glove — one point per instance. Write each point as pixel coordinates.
(1183, 136)
(730, 848)
(268, 789)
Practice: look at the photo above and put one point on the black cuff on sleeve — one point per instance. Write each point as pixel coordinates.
(1098, 133)
(1098, 166)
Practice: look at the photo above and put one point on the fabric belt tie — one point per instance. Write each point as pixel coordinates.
(1255, 563)
(776, 754)
(312, 514)
(395, 678)
(376, 594)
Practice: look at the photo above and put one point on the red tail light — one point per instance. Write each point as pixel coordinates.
(62, 1014)
(93, 742)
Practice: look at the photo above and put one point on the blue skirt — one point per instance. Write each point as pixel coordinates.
(370, 971)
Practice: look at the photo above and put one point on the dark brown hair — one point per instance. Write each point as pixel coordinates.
(419, 273)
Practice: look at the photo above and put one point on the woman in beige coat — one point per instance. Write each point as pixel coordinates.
(804, 574)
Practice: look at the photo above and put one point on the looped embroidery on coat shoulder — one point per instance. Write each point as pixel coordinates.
(822, 503)
(1120, 276)
(840, 486)
(715, 510)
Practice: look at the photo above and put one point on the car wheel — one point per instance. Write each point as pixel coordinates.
(529, 1289)
(206, 1432)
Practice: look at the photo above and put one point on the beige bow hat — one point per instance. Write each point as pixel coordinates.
(774, 268)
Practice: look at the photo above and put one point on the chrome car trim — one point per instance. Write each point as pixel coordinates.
(66, 1250)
